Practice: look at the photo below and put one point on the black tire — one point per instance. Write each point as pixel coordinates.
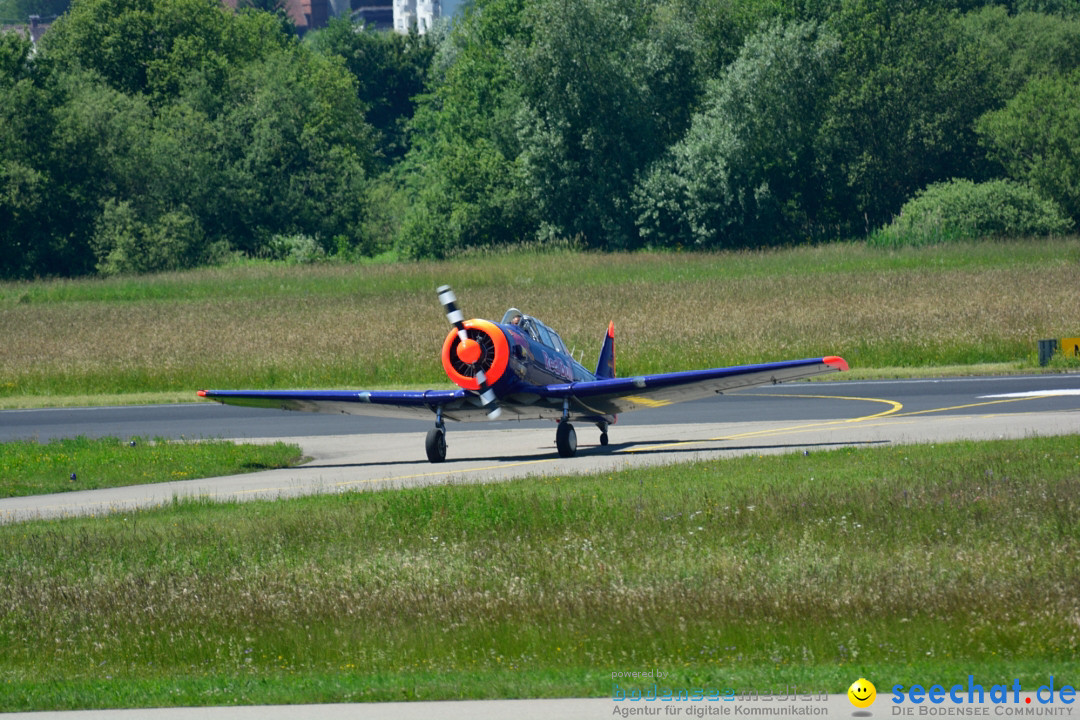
(603, 438)
(566, 440)
(436, 445)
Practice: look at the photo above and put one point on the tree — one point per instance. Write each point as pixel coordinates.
(294, 152)
(46, 9)
(723, 26)
(1036, 137)
(25, 111)
(1024, 45)
(909, 87)
(607, 85)
(161, 47)
(963, 210)
(389, 68)
(746, 173)
(124, 244)
(463, 160)
(98, 149)
(177, 129)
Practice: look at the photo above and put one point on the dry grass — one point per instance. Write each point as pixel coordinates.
(362, 326)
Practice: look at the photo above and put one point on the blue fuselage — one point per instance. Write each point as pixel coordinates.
(533, 362)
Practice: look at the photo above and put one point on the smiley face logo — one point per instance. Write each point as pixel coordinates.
(862, 693)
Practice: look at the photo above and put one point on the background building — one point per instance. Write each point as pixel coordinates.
(378, 14)
(421, 13)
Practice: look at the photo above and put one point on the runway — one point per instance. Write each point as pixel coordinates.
(354, 453)
(210, 420)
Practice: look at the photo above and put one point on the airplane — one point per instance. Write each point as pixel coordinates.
(520, 367)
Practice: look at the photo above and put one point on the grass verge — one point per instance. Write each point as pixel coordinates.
(30, 468)
(911, 564)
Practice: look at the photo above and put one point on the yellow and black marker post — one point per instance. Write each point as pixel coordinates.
(1070, 347)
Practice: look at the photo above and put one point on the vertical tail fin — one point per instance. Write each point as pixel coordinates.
(605, 366)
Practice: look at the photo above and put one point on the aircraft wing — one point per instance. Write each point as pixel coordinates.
(411, 405)
(591, 400)
(620, 395)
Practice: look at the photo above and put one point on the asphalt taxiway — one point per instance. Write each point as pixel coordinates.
(355, 453)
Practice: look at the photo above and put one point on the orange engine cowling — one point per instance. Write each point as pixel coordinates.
(484, 349)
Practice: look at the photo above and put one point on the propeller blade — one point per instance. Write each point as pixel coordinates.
(457, 319)
(453, 312)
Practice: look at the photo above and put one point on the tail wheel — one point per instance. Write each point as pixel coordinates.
(436, 445)
(566, 440)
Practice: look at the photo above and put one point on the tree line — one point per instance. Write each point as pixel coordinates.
(160, 134)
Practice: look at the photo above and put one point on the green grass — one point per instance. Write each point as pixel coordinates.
(362, 326)
(30, 468)
(905, 565)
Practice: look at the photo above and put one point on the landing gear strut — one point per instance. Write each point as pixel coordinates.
(436, 440)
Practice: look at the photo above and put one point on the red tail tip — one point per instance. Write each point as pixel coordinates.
(611, 329)
(837, 362)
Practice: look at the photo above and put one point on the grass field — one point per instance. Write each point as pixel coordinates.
(275, 326)
(904, 565)
(30, 468)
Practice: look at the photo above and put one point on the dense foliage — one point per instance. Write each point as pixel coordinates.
(155, 134)
(964, 210)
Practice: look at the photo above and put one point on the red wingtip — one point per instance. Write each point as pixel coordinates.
(611, 329)
(202, 393)
(837, 362)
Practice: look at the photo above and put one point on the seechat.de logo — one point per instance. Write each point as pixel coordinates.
(862, 693)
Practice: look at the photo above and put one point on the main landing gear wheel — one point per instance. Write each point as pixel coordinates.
(436, 445)
(566, 439)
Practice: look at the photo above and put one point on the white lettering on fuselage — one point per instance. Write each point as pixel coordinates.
(558, 366)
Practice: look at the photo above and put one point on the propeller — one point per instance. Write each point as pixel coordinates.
(469, 351)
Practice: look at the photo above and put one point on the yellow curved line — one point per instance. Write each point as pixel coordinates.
(895, 407)
(972, 405)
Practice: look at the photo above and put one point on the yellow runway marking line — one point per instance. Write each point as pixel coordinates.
(892, 412)
(973, 405)
(894, 407)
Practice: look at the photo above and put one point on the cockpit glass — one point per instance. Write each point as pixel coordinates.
(542, 332)
(535, 329)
